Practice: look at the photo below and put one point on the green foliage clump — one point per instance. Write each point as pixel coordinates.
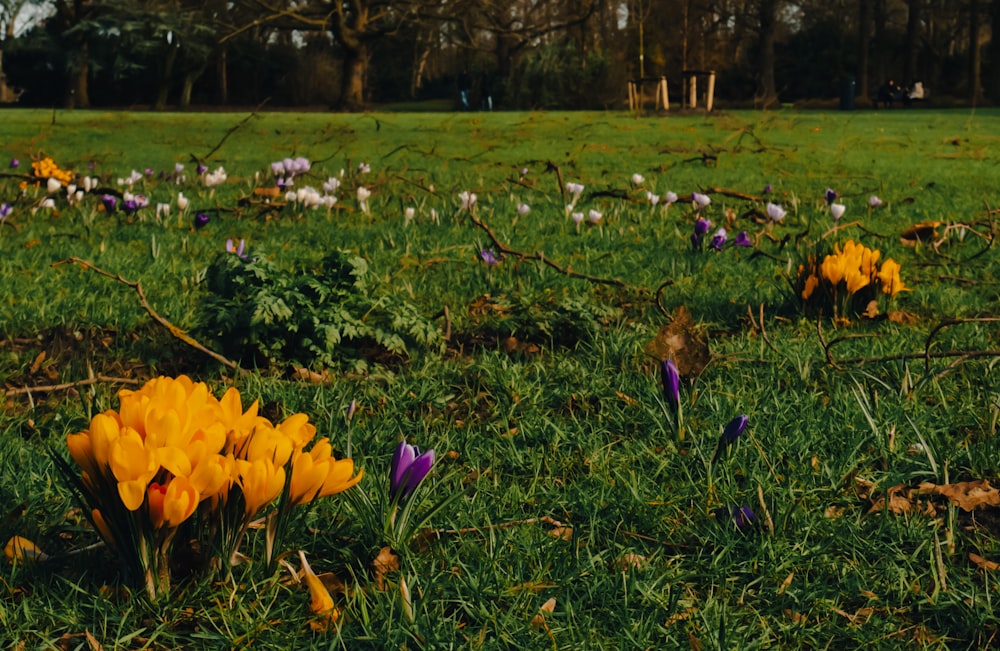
(329, 316)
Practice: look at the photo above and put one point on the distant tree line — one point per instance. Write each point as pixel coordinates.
(525, 54)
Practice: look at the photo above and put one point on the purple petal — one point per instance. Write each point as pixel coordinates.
(402, 459)
(671, 380)
(735, 428)
(417, 471)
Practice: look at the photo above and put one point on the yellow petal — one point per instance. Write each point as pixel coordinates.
(21, 549)
(321, 602)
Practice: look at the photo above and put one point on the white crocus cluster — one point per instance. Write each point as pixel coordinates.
(131, 179)
(216, 178)
(310, 197)
(468, 199)
(332, 185)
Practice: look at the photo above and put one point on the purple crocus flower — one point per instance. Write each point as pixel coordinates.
(830, 195)
(130, 206)
(874, 201)
(238, 249)
(719, 239)
(768, 189)
(701, 226)
(743, 239)
(408, 469)
(735, 428)
(5, 210)
(14, 163)
(202, 168)
(201, 219)
(110, 203)
(671, 379)
(489, 257)
(741, 516)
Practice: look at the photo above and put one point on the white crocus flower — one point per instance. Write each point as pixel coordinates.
(837, 210)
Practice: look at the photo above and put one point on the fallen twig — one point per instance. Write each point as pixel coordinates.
(233, 129)
(944, 324)
(48, 388)
(521, 255)
(174, 330)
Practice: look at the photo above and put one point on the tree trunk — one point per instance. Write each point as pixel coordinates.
(768, 24)
(994, 81)
(222, 78)
(912, 42)
(864, 31)
(881, 74)
(352, 87)
(78, 96)
(163, 93)
(975, 56)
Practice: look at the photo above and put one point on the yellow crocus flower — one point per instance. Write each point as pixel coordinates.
(133, 466)
(261, 481)
(892, 284)
(811, 283)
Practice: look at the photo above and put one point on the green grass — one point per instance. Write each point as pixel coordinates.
(571, 429)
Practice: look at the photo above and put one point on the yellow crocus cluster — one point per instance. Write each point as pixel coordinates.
(172, 446)
(46, 168)
(853, 268)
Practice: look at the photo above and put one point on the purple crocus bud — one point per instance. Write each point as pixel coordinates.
(701, 226)
(830, 195)
(768, 189)
(874, 201)
(719, 239)
(14, 163)
(741, 516)
(351, 409)
(735, 428)
(407, 470)
(110, 203)
(5, 210)
(149, 171)
(201, 219)
(489, 257)
(202, 168)
(130, 206)
(743, 239)
(671, 379)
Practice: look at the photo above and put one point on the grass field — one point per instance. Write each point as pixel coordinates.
(535, 379)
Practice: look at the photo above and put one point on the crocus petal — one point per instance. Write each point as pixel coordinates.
(417, 471)
(735, 428)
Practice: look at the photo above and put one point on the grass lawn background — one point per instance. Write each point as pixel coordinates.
(543, 403)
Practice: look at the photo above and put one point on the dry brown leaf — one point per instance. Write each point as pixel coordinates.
(306, 375)
(562, 533)
(538, 621)
(899, 501)
(983, 564)
(863, 488)
(795, 617)
(922, 232)
(92, 641)
(37, 364)
(632, 561)
(273, 193)
(627, 399)
(679, 617)
(871, 310)
(834, 512)
(902, 318)
(683, 342)
(386, 561)
(787, 582)
(694, 642)
(967, 495)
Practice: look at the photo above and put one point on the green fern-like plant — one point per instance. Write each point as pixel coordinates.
(334, 315)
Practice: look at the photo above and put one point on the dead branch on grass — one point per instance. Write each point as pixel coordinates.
(171, 328)
(49, 388)
(539, 256)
